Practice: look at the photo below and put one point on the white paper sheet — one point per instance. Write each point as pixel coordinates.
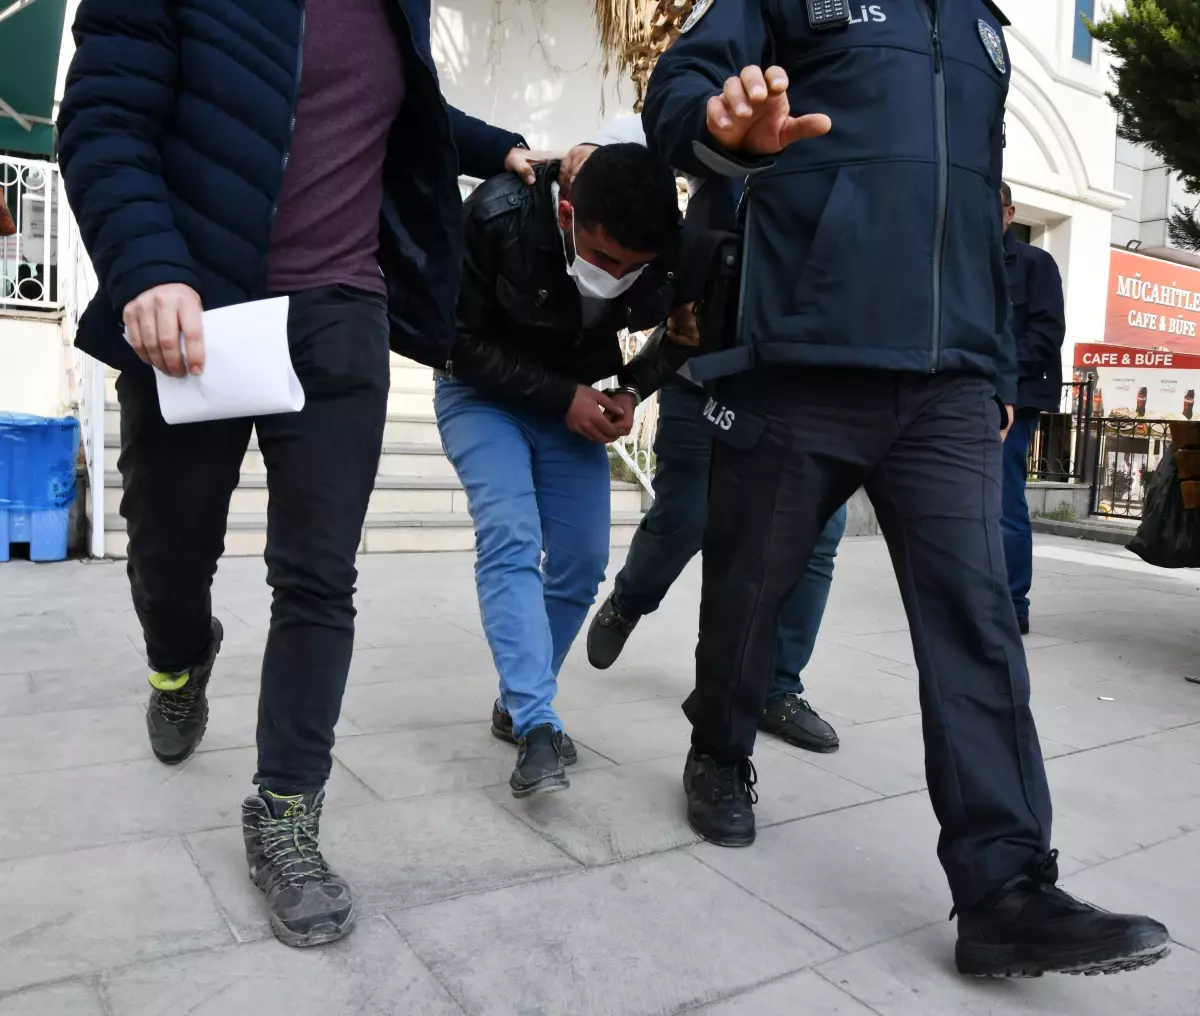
(247, 368)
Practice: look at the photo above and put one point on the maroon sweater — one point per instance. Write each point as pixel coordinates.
(326, 228)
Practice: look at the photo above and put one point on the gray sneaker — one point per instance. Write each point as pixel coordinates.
(309, 904)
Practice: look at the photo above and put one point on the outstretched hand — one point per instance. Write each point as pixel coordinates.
(752, 114)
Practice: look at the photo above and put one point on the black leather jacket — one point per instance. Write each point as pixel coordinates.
(520, 331)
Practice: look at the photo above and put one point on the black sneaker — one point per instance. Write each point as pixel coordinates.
(1036, 928)
(794, 720)
(177, 713)
(502, 727)
(539, 768)
(608, 633)
(1023, 625)
(720, 799)
(309, 904)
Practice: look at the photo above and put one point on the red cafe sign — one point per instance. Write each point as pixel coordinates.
(1152, 303)
(1142, 383)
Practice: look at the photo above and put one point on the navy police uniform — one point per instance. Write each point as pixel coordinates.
(873, 349)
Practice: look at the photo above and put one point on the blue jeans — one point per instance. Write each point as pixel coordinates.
(1018, 533)
(532, 487)
(672, 530)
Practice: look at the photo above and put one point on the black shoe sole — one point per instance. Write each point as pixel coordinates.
(799, 742)
(546, 785)
(993, 961)
(507, 735)
(721, 839)
(321, 934)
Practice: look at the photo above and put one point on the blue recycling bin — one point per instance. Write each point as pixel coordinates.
(37, 483)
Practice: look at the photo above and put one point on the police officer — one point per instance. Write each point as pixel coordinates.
(1039, 327)
(873, 349)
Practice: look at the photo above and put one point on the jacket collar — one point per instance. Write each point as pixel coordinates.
(545, 217)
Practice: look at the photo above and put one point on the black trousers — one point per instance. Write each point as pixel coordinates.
(927, 449)
(321, 465)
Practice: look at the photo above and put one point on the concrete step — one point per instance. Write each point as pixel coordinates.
(1097, 528)
(411, 391)
(401, 428)
(410, 401)
(398, 459)
(393, 495)
(411, 376)
(246, 534)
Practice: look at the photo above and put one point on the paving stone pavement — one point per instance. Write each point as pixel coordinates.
(123, 889)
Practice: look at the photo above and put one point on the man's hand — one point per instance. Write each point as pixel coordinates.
(591, 415)
(682, 327)
(154, 322)
(626, 407)
(752, 114)
(1009, 413)
(521, 161)
(571, 164)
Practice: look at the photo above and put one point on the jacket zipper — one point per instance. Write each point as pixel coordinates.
(287, 148)
(943, 178)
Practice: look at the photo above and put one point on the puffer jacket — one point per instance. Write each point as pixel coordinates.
(879, 245)
(520, 325)
(173, 135)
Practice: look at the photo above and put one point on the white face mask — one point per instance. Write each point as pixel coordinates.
(592, 280)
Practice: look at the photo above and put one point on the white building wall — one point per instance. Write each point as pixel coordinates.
(1061, 156)
(34, 365)
(532, 66)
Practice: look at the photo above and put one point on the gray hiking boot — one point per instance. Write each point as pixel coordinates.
(309, 904)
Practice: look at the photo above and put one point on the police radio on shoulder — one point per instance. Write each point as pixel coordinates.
(827, 14)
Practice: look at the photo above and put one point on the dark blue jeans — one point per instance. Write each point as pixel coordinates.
(1018, 533)
(672, 530)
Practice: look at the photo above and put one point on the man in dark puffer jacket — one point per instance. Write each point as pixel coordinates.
(218, 151)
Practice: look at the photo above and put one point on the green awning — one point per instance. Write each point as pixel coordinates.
(31, 33)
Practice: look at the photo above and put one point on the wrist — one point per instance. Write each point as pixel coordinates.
(629, 390)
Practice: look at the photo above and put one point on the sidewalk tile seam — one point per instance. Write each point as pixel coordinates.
(91, 981)
(450, 993)
(828, 772)
(377, 798)
(919, 792)
(1124, 740)
(846, 721)
(849, 994)
(693, 1007)
(212, 893)
(691, 852)
(611, 761)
